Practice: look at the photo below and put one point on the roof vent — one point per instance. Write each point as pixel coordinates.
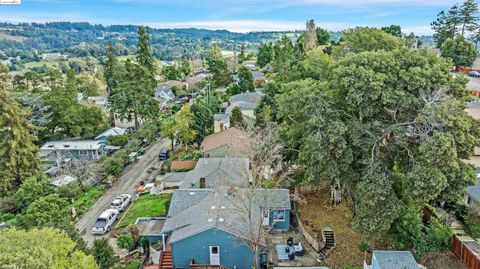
(191, 193)
(210, 219)
(222, 207)
(221, 219)
(213, 207)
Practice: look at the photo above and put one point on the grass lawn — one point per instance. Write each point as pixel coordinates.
(86, 200)
(316, 212)
(146, 206)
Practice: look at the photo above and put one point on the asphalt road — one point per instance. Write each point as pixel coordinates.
(126, 183)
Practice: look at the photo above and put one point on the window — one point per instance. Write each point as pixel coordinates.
(278, 215)
(214, 250)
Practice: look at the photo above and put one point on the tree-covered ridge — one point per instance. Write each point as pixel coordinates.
(84, 39)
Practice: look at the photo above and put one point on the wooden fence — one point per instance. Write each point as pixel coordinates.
(467, 252)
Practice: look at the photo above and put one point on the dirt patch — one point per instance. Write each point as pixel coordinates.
(316, 212)
(441, 260)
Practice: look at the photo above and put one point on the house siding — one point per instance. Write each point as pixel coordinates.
(281, 225)
(233, 251)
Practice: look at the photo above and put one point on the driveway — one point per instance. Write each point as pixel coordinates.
(126, 183)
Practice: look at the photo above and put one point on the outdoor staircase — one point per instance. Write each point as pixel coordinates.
(166, 259)
(329, 243)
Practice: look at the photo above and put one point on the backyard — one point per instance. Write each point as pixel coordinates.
(86, 200)
(146, 206)
(316, 212)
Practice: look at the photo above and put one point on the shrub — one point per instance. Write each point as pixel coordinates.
(438, 236)
(112, 166)
(471, 224)
(133, 265)
(125, 241)
(71, 191)
(118, 140)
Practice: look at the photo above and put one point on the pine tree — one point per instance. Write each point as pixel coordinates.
(110, 74)
(218, 66)
(468, 15)
(243, 56)
(245, 79)
(144, 51)
(18, 152)
(440, 27)
(265, 54)
(453, 20)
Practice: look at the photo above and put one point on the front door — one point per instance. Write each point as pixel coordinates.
(214, 255)
(266, 218)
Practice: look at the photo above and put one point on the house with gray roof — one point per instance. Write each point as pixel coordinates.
(56, 151)
(386, 259)
(217, 226)
(211, 173)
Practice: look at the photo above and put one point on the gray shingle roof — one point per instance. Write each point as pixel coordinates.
(183, 199)
(232, 172)
(226, 209)
(395, 259)
(174, 177)
(246, 97)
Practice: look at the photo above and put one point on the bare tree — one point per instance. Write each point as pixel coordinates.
(264, 149)
(84, 170)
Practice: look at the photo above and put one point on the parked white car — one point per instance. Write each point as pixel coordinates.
(105, 221)
(121, 202)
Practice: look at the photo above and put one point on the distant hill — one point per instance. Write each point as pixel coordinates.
(85, 39)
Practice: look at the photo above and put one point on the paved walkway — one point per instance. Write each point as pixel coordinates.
(126, 183)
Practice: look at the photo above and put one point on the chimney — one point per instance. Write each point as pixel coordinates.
(202, 183)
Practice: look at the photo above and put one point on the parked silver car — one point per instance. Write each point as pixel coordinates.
(121, 202)
(105, 221)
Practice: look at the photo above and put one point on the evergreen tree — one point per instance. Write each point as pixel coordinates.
(245, 79)
(203, 123)
(18, 152)
(242, 56)
(134, 94)
(265, 54)
(440, 27)
(217, 65)
(468, 16)
(236, 119)
(111, 65)
(453, 20)
(144, 51)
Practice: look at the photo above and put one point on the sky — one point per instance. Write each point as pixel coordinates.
(234, 15)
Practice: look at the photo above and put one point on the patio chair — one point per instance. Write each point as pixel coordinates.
(298, 249)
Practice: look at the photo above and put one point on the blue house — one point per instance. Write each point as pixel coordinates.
(392, 260)
(220, 226)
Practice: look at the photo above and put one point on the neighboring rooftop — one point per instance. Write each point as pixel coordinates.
(219, 172)
(474, 191)
(235, 139)
(246, 97)
(112, 132)
(63, 180)
(395, 259)
(72, 145)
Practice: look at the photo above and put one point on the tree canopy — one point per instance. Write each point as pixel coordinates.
(44, 248)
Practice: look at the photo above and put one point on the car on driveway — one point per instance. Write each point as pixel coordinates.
(121, 202)
(105, 221)
(474, 74)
